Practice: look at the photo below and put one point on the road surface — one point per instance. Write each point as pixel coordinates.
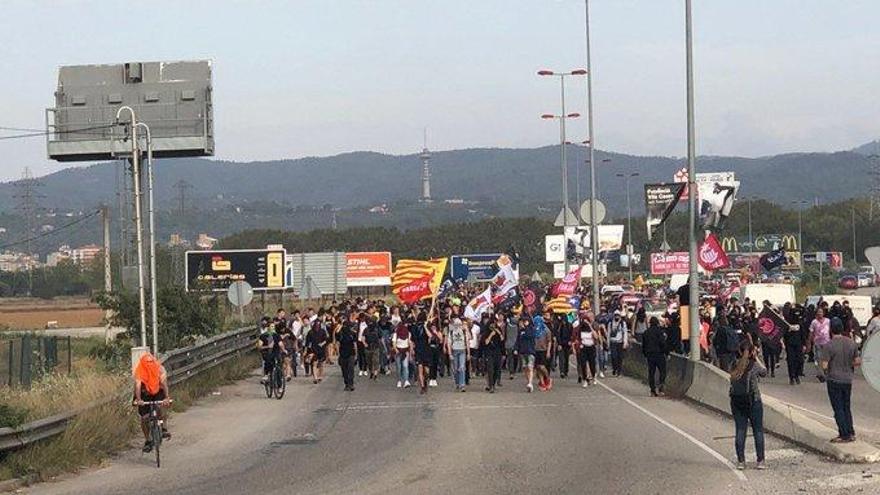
(609, 438)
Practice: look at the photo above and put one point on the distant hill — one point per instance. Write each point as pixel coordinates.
(499, 176)
(872, 148)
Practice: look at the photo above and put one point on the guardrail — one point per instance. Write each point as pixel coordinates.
(180, 364)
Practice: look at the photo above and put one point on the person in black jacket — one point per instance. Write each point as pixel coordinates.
(654, 348)
(347, 339)
(563, 350)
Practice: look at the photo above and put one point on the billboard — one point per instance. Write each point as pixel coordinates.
(263, 269)
(327, 271)
(368, 269)
(834, 259)
(473, 267)
(672, 263)
(610, 238)
(554, 248)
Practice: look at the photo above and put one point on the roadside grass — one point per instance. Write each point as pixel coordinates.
(98, 432)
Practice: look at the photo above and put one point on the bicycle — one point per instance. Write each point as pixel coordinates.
(276, 384)
(155, 425)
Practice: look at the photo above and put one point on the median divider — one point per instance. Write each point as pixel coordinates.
(708, 386)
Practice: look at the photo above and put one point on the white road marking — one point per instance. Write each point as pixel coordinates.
(846, 480)
(437, 406)
(681, 432)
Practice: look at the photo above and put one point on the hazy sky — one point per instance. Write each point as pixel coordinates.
(321, 77)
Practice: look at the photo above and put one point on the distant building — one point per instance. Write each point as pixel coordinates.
(379, 209)
(205, 242)
(85, 254)
(11, 261)
(52, 259)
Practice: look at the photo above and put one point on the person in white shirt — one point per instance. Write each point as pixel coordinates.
(618, 338)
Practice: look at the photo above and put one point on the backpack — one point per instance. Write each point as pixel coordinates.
(741, 389)
(371, 335)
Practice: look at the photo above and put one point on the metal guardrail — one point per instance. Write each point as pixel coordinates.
(180, 364)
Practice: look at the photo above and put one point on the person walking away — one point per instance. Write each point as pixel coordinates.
(654, 342)
(873, 325)
(373, 347)
(745, 402)
(402, 350)
(510, 334)
(361, 345)
(586, 345)
(840, 358)
(641, 324)
(347, 339)
(770, 343)
(457, 348)
(820, 336)
(618, 342)
(725, 342)
(794, 353)
(563, 349)
(474, 345)
(525, 348)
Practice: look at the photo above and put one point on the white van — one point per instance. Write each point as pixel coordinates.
(860, 305)
(777, 294)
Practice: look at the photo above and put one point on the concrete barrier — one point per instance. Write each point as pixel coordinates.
(708, 386)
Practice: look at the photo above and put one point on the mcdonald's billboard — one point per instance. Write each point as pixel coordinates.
(729, 244)
(790, 243)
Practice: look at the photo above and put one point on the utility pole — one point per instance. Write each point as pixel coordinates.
(28, 207)
(853, 211)
(594, 229)
(182, 187)
(108, 280)
(693, 275)
(122, 198)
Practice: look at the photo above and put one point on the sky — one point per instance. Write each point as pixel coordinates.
(321, 77)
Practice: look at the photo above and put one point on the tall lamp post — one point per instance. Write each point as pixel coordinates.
(694, 286)
(562, 118)
(629, 237)
(154, 313)
(594, 228)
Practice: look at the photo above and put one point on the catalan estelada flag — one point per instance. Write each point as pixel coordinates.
(560, 305)
(408, 271)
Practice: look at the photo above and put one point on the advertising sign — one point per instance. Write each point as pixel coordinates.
(263, 269)
(660, 200)
(834, 259)
(554, 248)
(368, 269)
(473, 267)
(586, 270)
(669, 263)
(610, 238)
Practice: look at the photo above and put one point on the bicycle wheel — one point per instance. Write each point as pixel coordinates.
(280, 384)
(156, 433)
(269, 386)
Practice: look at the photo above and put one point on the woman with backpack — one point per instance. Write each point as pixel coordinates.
(745, 402)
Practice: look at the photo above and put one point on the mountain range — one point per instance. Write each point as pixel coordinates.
(513, 176)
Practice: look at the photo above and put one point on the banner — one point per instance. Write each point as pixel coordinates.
(505, 280)
(408, 271)
(478, 305)
(473, 267)
(416, 290)
(569, 284)
(669, 263)
(578, 239)
(660, 200)
(371, 269)
(773, 259)
(716, 193)
(710, 255)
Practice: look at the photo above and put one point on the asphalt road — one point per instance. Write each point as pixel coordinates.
(609, 438)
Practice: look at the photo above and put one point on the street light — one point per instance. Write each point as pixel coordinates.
(138, 220)
(591, 139)
(563, 116)
(629, 237)
(693, 275)
(154, 318)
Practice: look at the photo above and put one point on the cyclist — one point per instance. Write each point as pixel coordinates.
(270, 346)
(150, 384)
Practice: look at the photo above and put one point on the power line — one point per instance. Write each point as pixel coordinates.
(52, 232)
(82, 130)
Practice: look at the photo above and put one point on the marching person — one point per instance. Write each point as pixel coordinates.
(492, 343)
(654, 348)
(347, 339)
(839, 359)
(617, 338)
(457, 348)
(525, 348)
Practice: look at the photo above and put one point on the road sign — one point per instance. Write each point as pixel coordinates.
(561, 218)
(871, 361)
(554, 248)
(309, 289)
(263, 269)
(240, 293)
(585, 211)
(473, 267)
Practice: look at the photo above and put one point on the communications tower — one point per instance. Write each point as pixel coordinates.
(426, 171)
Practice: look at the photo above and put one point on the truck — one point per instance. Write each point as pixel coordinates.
(777, 294)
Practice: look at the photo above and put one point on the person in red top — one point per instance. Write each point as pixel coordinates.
(150, 384)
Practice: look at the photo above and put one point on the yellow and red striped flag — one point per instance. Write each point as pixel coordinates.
(408, 271)
(560, 305)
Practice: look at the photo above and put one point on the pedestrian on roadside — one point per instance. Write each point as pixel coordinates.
(419, 333)
(873, 325)
(563, 349)
(745, 402)
(543, 343)
(654, 342)
(820, 336)
(585, 345)
(347, 339)
(794, 353)
(840, 358)
(372, 346)
(512, 360)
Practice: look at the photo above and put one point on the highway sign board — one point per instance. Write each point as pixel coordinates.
(473, 267)
(263, 269)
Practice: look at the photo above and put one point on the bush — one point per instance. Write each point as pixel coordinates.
(11, 416)
(115, 356)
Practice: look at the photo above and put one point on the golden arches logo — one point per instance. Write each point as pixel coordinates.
(728, 244)
(790, 243)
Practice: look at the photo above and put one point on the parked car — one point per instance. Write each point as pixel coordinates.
(848, 282)
(865, 279)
